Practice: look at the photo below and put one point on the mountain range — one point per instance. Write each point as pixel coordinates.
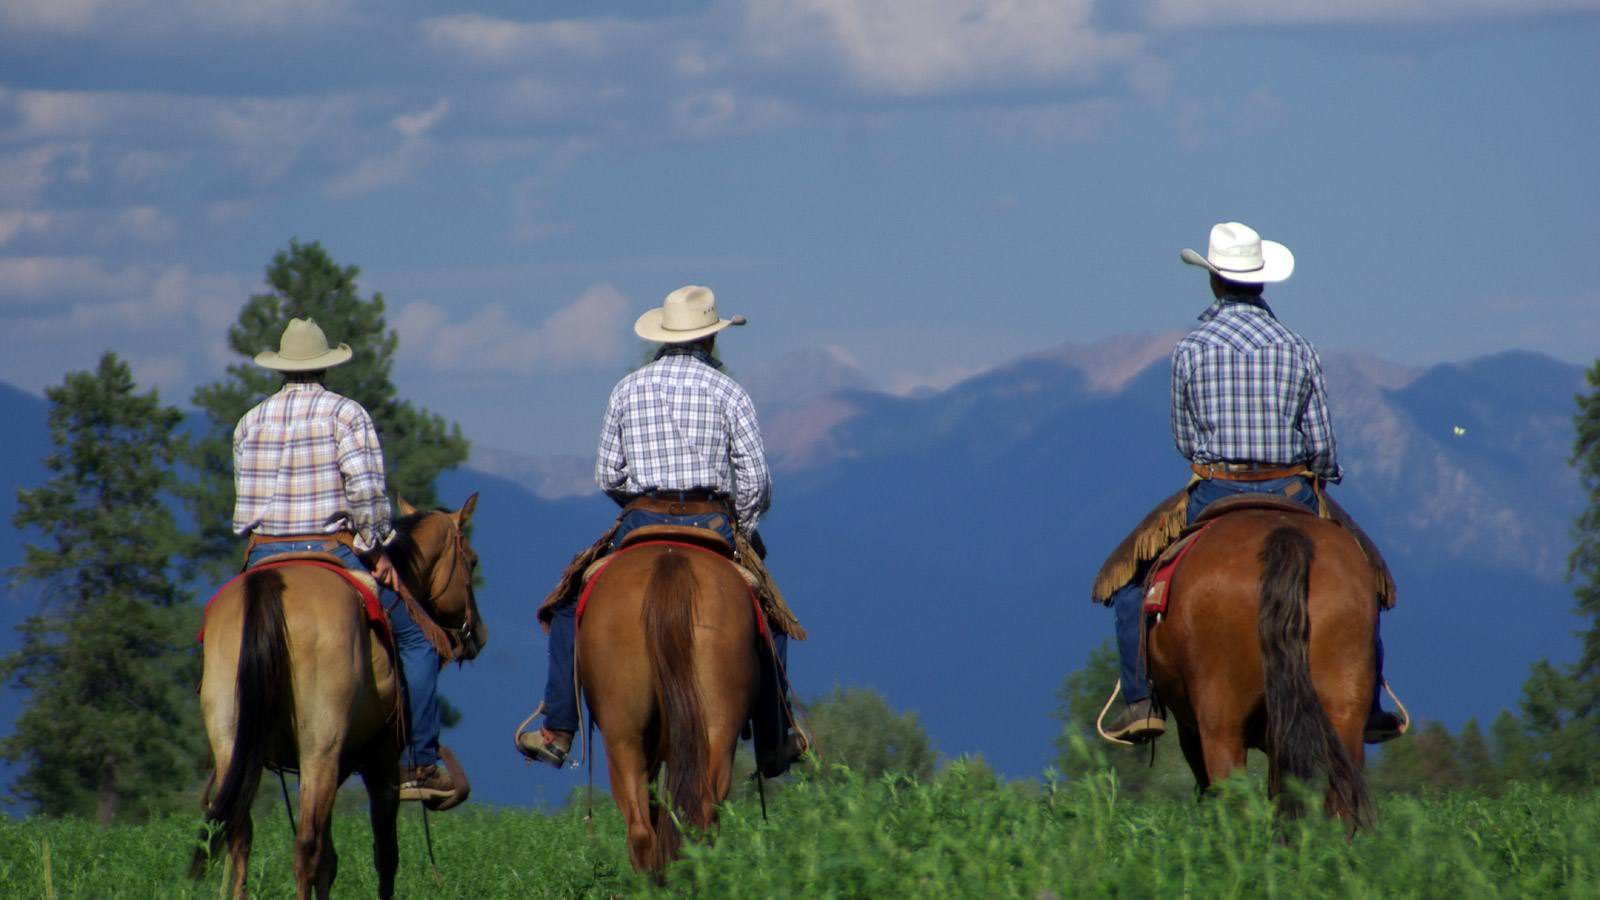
(939, 545)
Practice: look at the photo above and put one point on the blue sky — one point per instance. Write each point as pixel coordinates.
(931, 186)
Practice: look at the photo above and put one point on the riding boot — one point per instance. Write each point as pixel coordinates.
(776, 747)
(1382, 725)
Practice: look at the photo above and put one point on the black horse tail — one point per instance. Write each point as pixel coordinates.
(669, 642)
(263, 677)
(1301, 741)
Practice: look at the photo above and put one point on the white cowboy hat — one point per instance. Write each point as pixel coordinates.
(1237, 253)
(688, 314)
(303, 348)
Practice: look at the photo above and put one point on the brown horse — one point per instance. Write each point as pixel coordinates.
(667, 657)
(296, 678)
(1267, 644)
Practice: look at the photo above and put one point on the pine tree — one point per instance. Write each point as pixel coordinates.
(304, 282)
(1561, 704)
(111, 728)
(1145, 770)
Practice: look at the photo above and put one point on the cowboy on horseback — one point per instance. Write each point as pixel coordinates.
(308, 477)
(1250, 412)
(679, 446)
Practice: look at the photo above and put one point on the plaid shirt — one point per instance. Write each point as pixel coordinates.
(1247, 389)
(680, 424)
(306, 461)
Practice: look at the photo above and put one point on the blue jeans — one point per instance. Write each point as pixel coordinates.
(419, 662)
(560, 693)
(1128, 602)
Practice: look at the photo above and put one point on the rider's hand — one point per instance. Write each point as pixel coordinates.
(383, 570)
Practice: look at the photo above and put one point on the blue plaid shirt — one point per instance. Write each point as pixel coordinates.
(1247, 389)
(680, 424)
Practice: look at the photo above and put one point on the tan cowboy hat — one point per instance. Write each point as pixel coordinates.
(688, 314)
(303, 348)
(1237, 253)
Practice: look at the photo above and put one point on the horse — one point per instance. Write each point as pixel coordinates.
(667, 659)
(1267, 643)
(295, 677)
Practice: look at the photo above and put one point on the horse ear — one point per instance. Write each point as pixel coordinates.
(405, 508)
(464, 514)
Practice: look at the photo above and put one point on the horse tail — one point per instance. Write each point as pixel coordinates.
(259, 703)
(668, 616)
(1301, 741)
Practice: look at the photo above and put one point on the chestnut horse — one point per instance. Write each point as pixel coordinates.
(295, 678)
(1267, 644)
(667, 662)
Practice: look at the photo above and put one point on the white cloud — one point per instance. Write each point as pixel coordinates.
(911, 47)
(1057, 122)
(145, 224)
(27, 280)
(381, 171)
(26, 174)
(263, 136)
(417, 124)
(1189, 13)
(722, 110)
(587, 332)
(487, 39)
(115, 18)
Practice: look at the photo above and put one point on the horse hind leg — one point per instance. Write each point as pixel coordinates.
(383, 802)
(315, 862)
(1194, 755)
(630, 788)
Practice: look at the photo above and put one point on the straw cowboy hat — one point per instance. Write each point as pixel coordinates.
(303, 348)
(1237, 253)
(688, 314)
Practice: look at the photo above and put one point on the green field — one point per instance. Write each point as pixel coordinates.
(964, 833)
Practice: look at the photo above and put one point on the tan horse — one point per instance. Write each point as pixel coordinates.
(1267, 644)
(667, 660)
(296, 678)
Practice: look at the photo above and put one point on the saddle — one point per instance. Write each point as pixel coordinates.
(1165, 525)
(366, 587)
(589, 561)
(1156, 584)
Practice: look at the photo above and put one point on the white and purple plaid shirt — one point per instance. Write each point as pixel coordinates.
(1247, 389)
(306, 461)
(680, 424)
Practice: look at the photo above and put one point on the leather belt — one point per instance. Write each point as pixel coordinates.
(1225, 471)
(338, 537)
(692, 503)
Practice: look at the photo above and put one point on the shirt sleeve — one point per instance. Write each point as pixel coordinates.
(361, 465)
(610, 465)
(1316, 426)
(1183, 427)
(749, 458)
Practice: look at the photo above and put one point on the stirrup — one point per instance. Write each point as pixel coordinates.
(544, 752)
(1100, 720)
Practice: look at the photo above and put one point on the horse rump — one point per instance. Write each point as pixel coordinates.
(262, 677)
(1301, 740)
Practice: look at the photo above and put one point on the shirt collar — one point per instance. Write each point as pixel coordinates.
(1236, 303)
(292, 385)
(688, 350)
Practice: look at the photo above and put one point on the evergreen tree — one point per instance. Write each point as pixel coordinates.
(304, 282)
(111, 728)
(1145, 770)
(1561, 705)
(855, 727)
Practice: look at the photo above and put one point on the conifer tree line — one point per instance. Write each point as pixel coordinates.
(111, 728)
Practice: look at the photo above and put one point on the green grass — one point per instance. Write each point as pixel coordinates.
(963, 834)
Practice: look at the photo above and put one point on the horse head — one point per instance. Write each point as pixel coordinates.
(437, 563)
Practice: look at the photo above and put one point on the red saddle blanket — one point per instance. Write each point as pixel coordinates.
(1157, 587)
(583, 599)
(369, 600)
